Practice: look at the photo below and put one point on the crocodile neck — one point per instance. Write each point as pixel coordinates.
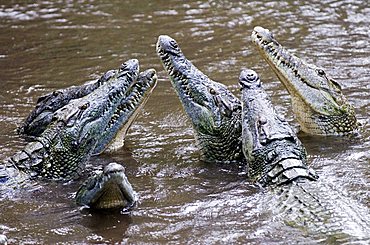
(278, 163)
(223, 146)
(35, 159)
(277, 160)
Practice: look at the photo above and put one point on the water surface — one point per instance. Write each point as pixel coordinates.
(49, 45)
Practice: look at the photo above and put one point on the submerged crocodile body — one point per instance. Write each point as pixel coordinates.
(317, 100)
(81, 128)
(214, 111)
(277, 160)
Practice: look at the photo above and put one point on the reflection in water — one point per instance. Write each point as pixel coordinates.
(106, 227)
(49, 45)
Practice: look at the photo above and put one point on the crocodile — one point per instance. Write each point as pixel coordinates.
(317, 100)
(276, 159)
(107, 189)
(41, 116)
(214, 111)
(81, 128)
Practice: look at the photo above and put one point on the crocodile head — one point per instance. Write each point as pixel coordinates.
(41, 116)
(317, 100)
(274, 153)
(107, 189)
(78, 128)
(134, 98)
(214, 111)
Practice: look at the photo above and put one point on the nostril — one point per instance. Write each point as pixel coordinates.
(251, 76)
(173, 44)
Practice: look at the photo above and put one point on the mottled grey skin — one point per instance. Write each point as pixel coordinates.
(136, 96)
(268, 140)
(86, 126)
(136, 90)
(107, 189)
(3, 240)
(81, 128)
(41, 116)
(277, 160)
(213, 110)
(317, 100)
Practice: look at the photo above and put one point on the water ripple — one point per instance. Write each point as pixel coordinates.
(49, 45)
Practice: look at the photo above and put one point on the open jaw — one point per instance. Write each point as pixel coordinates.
(41, 116)
(135, 98)
(214, 111)
(76, 129)
(108, 189)
(317, 100)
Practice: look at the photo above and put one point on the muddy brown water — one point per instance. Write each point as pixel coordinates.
(47, 45)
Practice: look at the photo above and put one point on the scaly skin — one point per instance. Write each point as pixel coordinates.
(107, 189)
(214, 111)
(80, 128)
(41, 116)
(136, 97)
(267, 138)
(317, 100)
(277, 160)
(85, 126)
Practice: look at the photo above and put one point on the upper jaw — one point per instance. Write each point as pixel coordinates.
(187, 86)
(261, 34)
(130, 68)
(49, 104)
(305, 82)
(209, 105)
(147, 76)
(166, 44)
(102, 108)
(194, 88)
(272, 50)
(124, 111)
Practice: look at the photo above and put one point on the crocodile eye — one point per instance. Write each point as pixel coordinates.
(321, 72)
(212, 91)
(84, 106)
(108, 75)
(54, 118)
